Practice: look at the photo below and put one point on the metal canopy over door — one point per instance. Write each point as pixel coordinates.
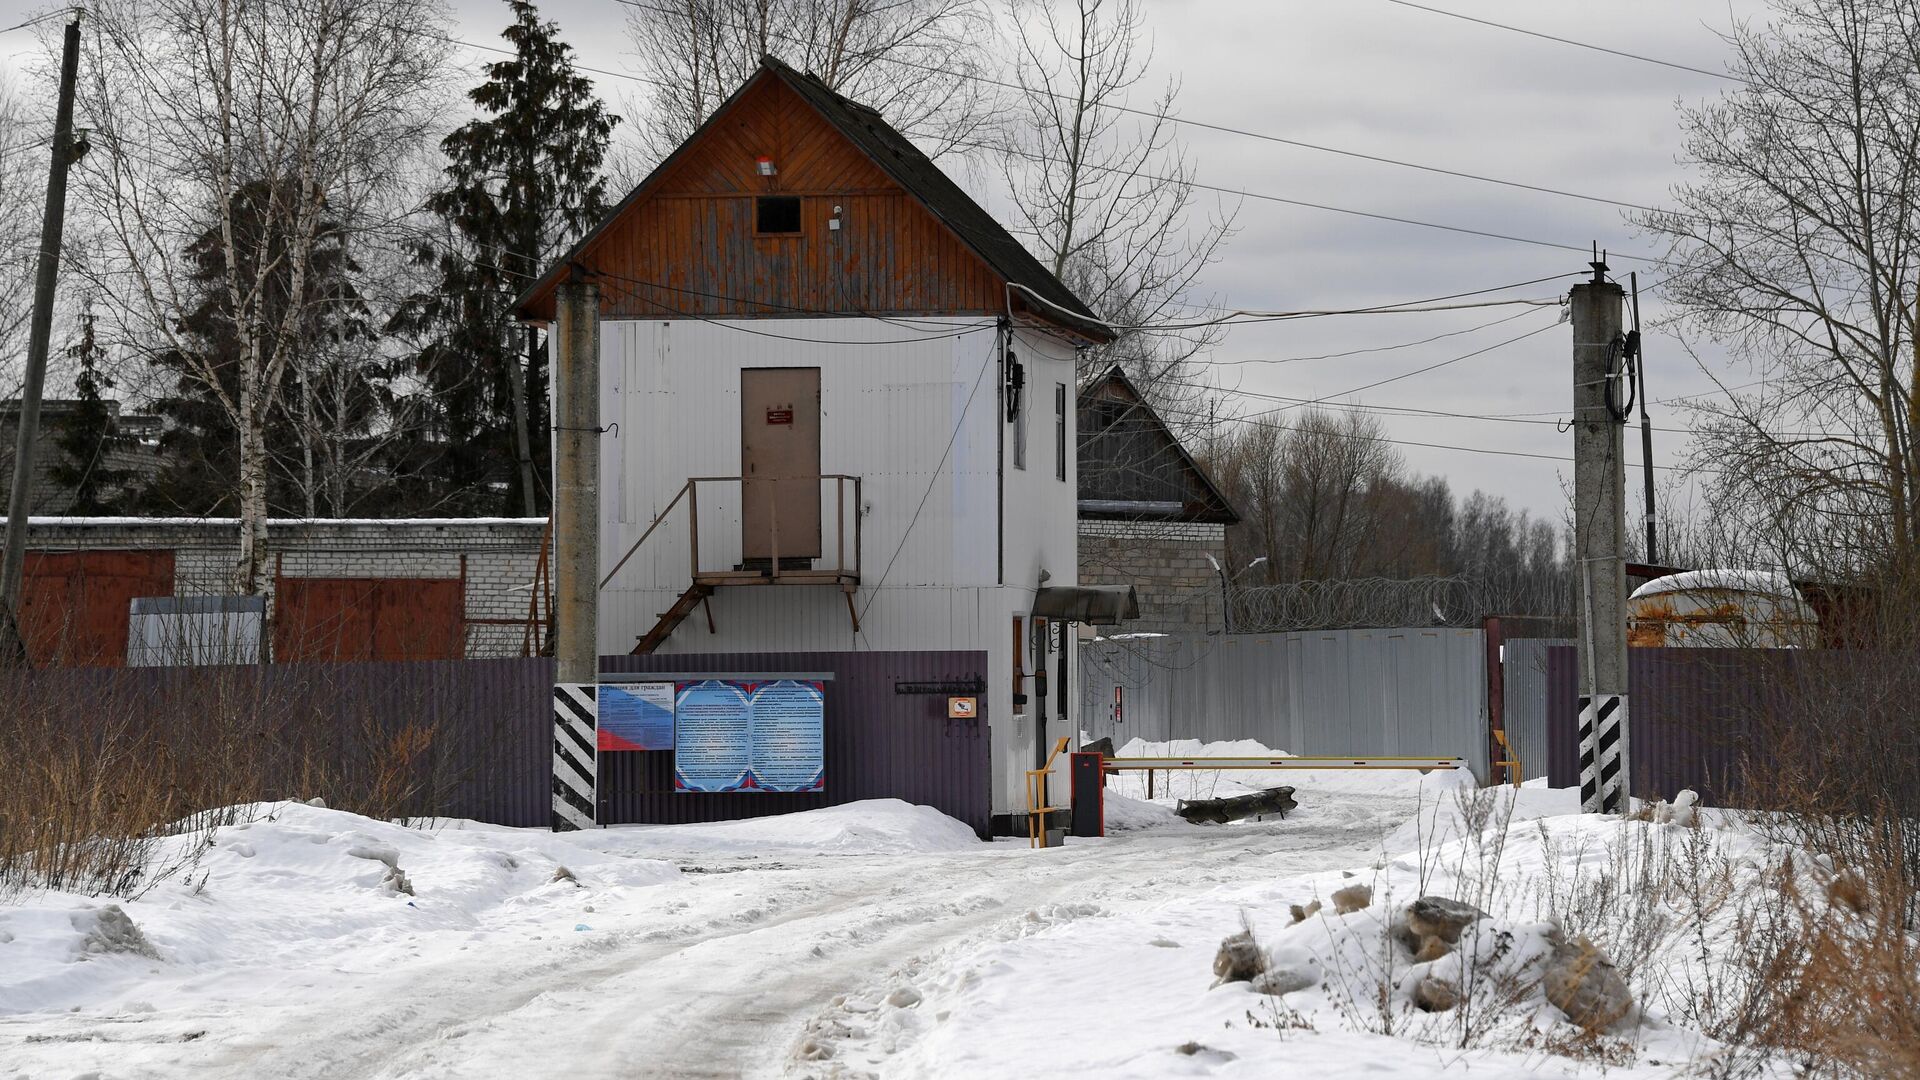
(780, 464)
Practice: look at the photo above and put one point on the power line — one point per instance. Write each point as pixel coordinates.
(1227, 129)
(1263, 197)
(1417, 371)
(1357, 352)
(1569, 41)
(976, 145)
(735, 325)
(1256, 422)
(55, 14)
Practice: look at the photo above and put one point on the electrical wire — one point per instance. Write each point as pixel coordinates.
(934, 479)
(1569, 41)
(1416, 371)
(736, 325)
(1226, 129)
(54, 14)
(1356, 352)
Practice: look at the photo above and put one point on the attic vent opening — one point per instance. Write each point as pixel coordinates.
(778, 215)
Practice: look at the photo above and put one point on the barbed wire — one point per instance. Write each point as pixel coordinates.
(1375, 602)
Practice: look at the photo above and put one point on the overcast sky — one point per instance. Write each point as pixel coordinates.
(1383, 79)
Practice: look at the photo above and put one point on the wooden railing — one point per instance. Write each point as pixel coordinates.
(690, 491)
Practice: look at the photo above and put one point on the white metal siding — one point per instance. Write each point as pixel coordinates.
(917, 416)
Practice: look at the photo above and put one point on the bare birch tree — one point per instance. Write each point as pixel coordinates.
(917, 62)
(1104, 196)
(1798, 246)
(267, 118)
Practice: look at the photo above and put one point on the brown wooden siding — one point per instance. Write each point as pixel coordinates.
(75, 604)
(687, 247)
(368, 619)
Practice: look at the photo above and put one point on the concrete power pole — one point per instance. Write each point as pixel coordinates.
(20, 499)
(1599, 540)
(576, 554)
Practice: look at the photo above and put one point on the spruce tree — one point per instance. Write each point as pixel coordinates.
(88, 435)
(200, 446)
(523, 182)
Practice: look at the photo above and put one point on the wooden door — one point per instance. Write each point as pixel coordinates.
(780, 460)
(75, 604)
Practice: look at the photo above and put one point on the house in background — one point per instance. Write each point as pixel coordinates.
(840, 440)
(131, 460)
(1149, 515)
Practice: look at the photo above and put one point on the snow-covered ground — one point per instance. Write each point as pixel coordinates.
(872, 939)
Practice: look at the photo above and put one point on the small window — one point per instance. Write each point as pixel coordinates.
(776, 214)
(1060, 430)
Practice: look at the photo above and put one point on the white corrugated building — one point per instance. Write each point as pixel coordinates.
(853, 389)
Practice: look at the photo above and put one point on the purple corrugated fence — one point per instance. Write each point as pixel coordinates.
(879, 744)
(474, 738)
(1692, 715)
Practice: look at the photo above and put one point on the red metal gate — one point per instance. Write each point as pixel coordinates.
(369, 619)
(74, 604)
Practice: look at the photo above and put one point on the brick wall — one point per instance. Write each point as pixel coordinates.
(1166, 562)
(501, 555)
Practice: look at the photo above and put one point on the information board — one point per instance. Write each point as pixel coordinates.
(712, 736)
(750, 735)
(636, 716)
(789, 751)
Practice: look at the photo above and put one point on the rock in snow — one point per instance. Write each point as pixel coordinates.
(1582, 982)
(1238, 960)
(1351, 899)
(1439, 917)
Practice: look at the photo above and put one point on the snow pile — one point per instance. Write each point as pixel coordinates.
(289, 886)
(1133, 994)
(870, 827)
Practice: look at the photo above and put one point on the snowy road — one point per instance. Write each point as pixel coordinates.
(715, 972)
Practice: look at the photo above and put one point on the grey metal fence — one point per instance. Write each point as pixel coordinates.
(1523, 666)
(1411, 691)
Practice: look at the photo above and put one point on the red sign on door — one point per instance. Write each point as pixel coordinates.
(779, 416)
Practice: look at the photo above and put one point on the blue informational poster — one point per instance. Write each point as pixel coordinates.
(712, 736)
(789, 750)
(750, 735)
(636, 716)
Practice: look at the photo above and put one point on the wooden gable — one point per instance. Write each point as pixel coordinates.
(685, 245)
(1133, 467)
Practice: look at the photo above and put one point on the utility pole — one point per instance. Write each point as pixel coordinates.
(1599, 538)
(576, 553)
(13, 647)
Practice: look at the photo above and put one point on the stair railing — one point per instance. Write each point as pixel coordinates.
(691, 492)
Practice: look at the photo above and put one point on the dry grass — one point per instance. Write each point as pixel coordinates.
(100, 766)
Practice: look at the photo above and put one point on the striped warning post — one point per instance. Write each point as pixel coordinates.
(1603, 753)
(575, 716)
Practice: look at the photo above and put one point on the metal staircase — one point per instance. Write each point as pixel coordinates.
(771, 569)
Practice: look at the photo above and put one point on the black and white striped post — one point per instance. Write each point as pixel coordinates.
(576, 547)
(576, 736)
(1601, 398)
(1603, 753)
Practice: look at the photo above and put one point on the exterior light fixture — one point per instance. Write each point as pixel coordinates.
(766, 166)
